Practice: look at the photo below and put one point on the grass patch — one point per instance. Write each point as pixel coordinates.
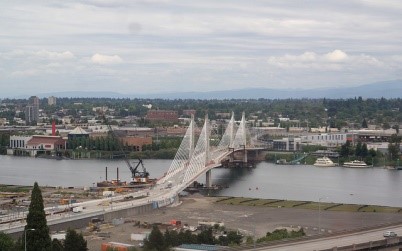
(284, 203)
(223, 199)
(311, 205)
(14, 189)
(248, 201)
(380, 209)
(346, 208)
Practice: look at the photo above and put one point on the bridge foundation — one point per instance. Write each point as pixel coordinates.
(208, 180)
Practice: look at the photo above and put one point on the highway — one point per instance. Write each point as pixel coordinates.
(334, 241)
(160, 194)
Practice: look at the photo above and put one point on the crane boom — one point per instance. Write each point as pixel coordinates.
(136, 175)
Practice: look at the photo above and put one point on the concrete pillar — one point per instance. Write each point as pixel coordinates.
(208, 182)
(245, 155)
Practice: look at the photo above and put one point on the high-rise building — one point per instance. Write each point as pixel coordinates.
(34, 100)
(32, 111)
(51, 100)
(31, 114)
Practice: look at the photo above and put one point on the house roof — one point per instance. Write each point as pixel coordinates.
(78, 130)
(36, 140)
(199, 247)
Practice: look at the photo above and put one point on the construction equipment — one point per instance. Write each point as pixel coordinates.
(137, 176)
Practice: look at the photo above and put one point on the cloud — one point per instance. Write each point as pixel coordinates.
(54, 55)
(105, 59)
(335, 60)
(336, 56)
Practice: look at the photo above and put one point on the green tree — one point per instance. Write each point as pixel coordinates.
(346, 149)
(358, 149)
(155, 240)
(39, 238)
(206, 237)
(364, 124)
(6, 242)
(396, 127)
(57, 245)
(75, 241)
(393, 150)
(364, 151)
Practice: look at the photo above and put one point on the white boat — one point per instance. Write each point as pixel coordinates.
(324, 161)
(355, 163)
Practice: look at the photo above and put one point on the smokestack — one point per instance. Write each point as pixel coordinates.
(106, 172)
(117, 174)
(53, 128)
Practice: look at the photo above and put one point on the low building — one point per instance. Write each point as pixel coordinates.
(162, 116)
(35, 145)
(287, 144)
(136, 143)
(367, 135)
(195, 247)
(18, 145)
(78, 132)
(45, 144)
(3, 121)
(189, 112)
(326, 139)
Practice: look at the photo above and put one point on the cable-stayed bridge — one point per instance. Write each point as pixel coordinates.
(196, 158)
(193, 159)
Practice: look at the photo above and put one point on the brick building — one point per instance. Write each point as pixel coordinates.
(162, 116)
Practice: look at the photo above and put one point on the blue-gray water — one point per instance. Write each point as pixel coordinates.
(335, 184)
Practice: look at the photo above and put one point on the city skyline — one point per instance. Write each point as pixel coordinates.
(162, 46)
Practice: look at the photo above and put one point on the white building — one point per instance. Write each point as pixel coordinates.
(51, 100)
(325, 139)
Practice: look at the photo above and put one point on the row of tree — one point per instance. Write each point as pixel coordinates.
(318, 112)
(165, 241)
(36, 232)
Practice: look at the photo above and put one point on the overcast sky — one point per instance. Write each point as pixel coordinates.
(153, 46)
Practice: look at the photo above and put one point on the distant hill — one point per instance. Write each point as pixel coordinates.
(386, 89)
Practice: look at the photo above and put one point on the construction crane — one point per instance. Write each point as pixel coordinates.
(137, 176)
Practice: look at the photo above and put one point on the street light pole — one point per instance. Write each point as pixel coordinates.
(25, 236)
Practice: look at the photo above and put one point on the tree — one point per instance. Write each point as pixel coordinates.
(393, 150)
(345, 149)
(396, 127)
(39, 238)
(75, 241)
(57, 245)
(6, 242)
(155, 240)
(364, 124)
(206, 237)
(364, 150)
(358, 149)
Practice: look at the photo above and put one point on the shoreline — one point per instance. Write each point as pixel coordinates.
(254, 202)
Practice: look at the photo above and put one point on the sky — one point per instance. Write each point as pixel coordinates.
(164, 46)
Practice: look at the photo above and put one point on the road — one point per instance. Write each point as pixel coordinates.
(334, 241)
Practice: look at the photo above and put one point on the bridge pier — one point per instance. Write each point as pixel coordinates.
(245, 160)
(208, 180)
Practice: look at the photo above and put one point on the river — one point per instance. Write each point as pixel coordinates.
(374, 186)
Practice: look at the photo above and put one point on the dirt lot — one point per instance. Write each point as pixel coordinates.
(249, 220)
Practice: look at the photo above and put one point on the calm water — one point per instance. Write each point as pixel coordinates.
(335, 184)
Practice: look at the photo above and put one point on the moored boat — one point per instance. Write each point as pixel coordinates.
(324, 162)
(355, 163)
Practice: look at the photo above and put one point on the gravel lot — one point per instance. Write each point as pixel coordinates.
(248, 219)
